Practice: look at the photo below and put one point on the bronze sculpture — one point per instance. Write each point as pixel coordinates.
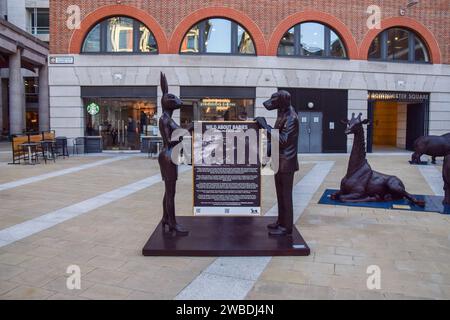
(446, 177)
(434, 146)
(169, 170)
(361, 183)
(288, 125)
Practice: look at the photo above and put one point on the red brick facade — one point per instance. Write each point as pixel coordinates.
(266, 20)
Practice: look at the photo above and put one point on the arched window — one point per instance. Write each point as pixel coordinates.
(220, 36)
(311, 39)
(119, 35)
(398, 44)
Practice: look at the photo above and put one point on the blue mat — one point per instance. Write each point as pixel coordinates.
(422, 163)
(432, 203)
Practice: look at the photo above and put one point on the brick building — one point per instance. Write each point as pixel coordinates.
(223, 58)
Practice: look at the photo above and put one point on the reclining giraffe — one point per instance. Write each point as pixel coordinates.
(361, 183)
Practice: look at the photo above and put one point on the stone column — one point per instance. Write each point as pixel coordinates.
(1, 106)
(44, 109)
(16, 93)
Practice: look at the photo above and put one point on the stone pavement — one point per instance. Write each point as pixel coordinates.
(100, 214)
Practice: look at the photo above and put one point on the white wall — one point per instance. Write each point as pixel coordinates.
(401, 125)
(17, 13)
(37, 3)
(3, 8)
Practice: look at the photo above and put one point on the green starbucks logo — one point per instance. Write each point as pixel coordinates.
(93, 109)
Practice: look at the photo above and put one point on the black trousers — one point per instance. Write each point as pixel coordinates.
(283, 184)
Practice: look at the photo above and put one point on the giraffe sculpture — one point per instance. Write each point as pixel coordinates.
(446, 177)
(361, 183)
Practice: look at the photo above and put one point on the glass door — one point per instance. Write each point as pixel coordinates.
(120, 122)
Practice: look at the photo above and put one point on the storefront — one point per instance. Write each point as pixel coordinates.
(397, 119)
(223, 68)
(119, 116)
(216, 104)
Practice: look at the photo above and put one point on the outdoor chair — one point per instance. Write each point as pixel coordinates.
(76, 143)
(61, 147)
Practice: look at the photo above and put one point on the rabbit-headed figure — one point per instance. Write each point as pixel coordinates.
(169, 170)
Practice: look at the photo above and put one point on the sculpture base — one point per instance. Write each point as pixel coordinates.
(225, 236)
(432, 203)
(422, 163)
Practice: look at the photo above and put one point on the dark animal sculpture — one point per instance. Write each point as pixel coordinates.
(169, 170)
(288, 126)
(361, 183)
(434, 146)
(446, 176)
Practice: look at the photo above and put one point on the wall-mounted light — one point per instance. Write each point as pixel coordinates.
(310, 105)
(118, 76)
(410, 4)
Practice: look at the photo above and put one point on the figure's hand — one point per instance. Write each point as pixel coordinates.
(190, 127)
(261, 121)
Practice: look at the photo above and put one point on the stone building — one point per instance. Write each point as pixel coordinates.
(224, 58)
(24, 36)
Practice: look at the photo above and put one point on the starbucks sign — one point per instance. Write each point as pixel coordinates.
(93, 108)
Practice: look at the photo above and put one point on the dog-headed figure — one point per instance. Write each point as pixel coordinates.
(287, 125)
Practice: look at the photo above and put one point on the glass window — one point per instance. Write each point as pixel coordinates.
(217, 36)
(375, 48)
(42, 20)
(286, 47)
(420, 51)
(216, 109)
(397, 44)
(147, 42)
(120, 35)
(191, 41)
(311, 39)
(245, 42)
(337, 48)
(39, 20)
(92, 41)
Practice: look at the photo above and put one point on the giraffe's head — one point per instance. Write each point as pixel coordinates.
(354, 124)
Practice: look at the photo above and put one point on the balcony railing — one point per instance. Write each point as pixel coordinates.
(38, 30)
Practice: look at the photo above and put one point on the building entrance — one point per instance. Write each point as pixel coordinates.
(120, 122)
(397, 119)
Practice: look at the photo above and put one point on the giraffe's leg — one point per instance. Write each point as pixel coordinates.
(357, 197)
(364, 199)
(396, 187)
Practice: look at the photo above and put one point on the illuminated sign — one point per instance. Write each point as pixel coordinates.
(218, 103)
(399, 96)
(93, 109)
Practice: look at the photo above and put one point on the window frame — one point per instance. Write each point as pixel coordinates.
(411, 47)
(233, 39)
(33, 26)
(298, 51)
(104, 33)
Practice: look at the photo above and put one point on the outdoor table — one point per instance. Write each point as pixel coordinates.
(29, 147)
(152, 141)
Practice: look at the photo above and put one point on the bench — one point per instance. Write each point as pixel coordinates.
(17, 151)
